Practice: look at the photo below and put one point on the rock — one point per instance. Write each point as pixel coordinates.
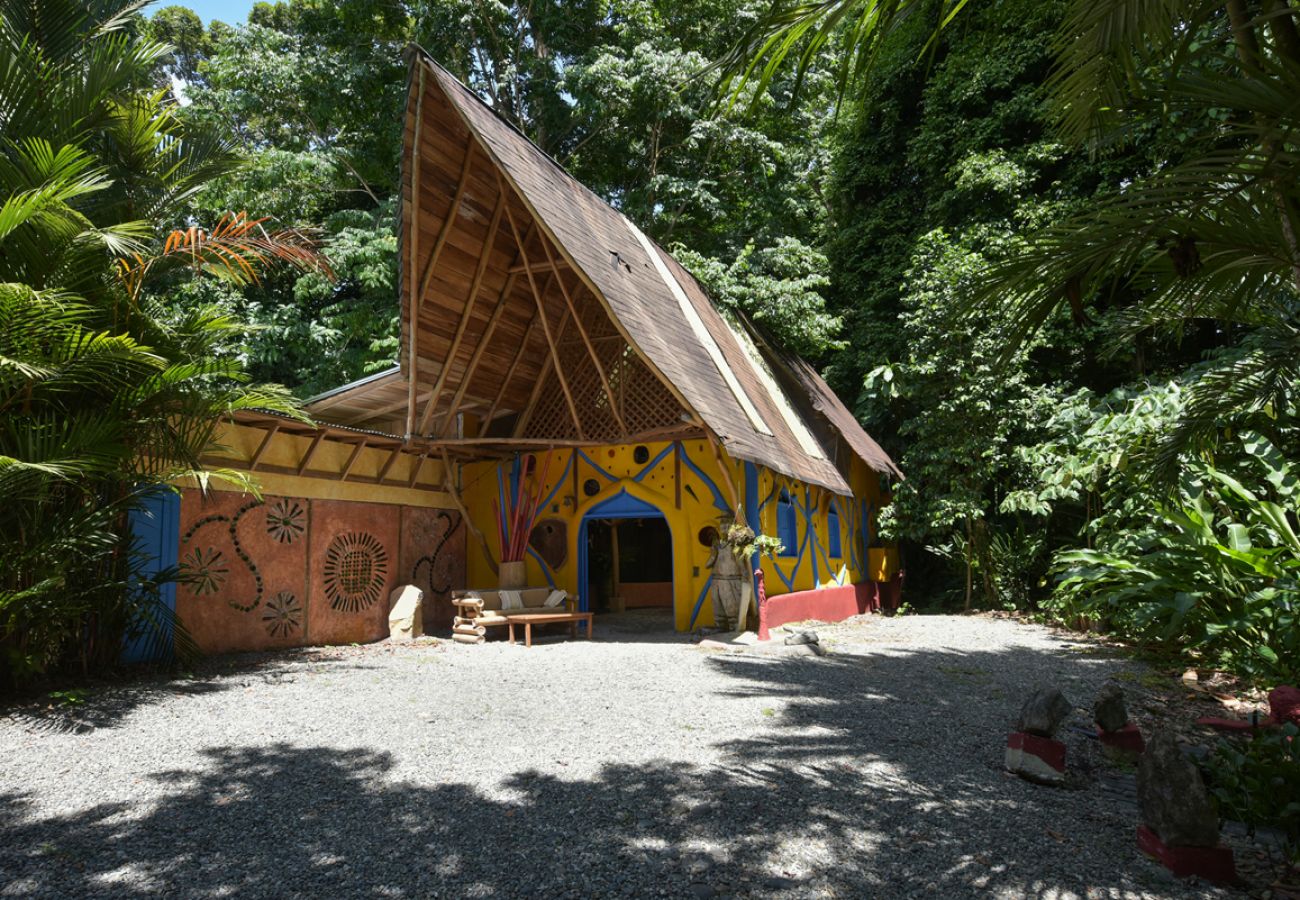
(1110, 713)
(1043, 712)
(803, 637)
(1284, 703)
(406, 613)
(1172, 797)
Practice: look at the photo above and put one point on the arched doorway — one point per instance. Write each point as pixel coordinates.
(625, 556)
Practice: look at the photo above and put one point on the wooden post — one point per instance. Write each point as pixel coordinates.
(616, 598)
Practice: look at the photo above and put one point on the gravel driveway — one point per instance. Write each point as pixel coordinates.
(628, 765)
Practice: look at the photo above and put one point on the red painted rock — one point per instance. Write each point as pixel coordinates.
(1043, 712)
(1036, 758)
(1211, 863)
(1109, 712)
(1284, 703)
(1172, 797)
(1127, 739)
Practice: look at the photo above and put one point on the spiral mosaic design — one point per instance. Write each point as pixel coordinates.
(356, 566)
(282, 615)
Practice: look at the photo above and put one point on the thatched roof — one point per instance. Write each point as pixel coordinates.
(534, 306)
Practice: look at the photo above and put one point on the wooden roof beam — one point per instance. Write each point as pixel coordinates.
(456, 401)
(510, 372)
(521, 268)
(435, 392)
(417, 298)
(541, 312)
(541, 382)
(591, 351)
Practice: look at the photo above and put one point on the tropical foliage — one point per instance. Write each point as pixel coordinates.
(105, 394)
(1116, 200)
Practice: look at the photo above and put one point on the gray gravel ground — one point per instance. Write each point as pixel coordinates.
(630, 765)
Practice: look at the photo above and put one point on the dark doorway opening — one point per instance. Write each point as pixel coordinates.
(629, 564)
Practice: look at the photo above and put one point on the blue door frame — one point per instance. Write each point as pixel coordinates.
(621, 506)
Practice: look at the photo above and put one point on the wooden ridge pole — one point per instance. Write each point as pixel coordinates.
(436, 391)
(546, 329)
(412, 309)
(582, 332)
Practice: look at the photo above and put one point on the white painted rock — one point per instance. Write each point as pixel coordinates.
(406, 614)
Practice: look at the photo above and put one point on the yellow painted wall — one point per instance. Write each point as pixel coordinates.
(240, 443)
(613, 469)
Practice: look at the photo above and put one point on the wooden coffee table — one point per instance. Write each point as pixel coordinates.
(528, 620)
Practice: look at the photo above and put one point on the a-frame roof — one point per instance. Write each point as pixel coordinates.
(537, 308)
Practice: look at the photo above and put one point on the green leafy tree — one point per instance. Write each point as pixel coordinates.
(104, 395)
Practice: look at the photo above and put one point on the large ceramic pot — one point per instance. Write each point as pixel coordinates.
(728, 589)
(512, 576)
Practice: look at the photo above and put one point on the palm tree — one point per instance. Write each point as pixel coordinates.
(1212, 235)
(104, 393)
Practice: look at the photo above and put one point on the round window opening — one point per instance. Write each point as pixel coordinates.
(708, 535)
(641, 455)
(591, 487)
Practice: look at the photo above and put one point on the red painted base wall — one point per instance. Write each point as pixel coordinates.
(827, 604)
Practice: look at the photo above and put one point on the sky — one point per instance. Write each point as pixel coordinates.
(232, 12)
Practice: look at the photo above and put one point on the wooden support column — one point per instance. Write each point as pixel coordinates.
(615, 601)
(436, 392)
(412, 304)
(311, 451)
(261, 448)
(614, 406)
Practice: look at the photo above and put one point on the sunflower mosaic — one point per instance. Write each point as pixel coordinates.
(356, 567)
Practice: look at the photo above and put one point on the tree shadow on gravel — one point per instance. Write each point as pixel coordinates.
(106, 704)
(881, 777)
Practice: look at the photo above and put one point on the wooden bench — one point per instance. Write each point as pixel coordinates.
(479, 610)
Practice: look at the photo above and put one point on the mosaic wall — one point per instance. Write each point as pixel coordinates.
(288, 571)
